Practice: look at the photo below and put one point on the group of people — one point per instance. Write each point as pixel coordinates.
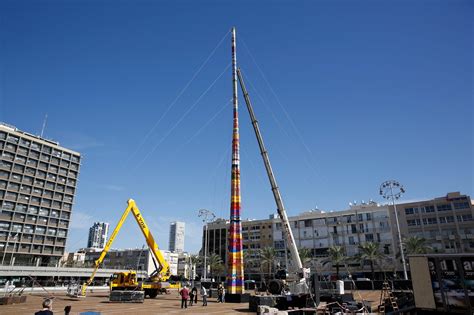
(191, 295)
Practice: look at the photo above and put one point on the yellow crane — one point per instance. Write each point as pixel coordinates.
(128, 280)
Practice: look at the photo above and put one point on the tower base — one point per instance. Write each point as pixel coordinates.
(237, 297)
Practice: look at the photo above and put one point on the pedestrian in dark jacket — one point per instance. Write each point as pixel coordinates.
(191, 298)
(220, 293)
(194, 291)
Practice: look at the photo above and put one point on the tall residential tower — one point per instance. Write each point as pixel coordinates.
(98, 235)
(38, 181)
(176, 242)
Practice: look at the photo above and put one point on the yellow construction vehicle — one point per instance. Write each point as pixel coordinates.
(127, 281)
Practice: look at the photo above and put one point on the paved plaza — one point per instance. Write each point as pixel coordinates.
(98, 302)
(163, 304)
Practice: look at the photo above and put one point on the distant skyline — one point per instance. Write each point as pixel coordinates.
(348, 94)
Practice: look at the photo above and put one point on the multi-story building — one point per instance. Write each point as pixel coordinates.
(98, 235)
(447, 223)
(256, 234)
(38, 181)
(133, 259)
(319, 230)
(176, 240)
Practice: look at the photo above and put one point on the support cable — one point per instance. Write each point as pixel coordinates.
(181, 119)
(292, 123)
(198, 132)
(149, 133)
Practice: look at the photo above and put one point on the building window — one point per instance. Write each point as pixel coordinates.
(427, 221)
(351, 240)
(307, 223)
(353, 228)
(461, 205)
(429, 209)
(444, 207)
(464, 218)
(369, 237)
(4, 226)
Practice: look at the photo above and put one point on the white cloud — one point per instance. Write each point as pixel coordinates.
(113, 187)
(80, 142)
(81, 220)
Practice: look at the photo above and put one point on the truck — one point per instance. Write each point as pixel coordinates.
(121, 282)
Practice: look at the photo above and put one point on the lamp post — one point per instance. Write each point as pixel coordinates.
(392, 190)
(5, 249)
(15, 238)
(206, 216)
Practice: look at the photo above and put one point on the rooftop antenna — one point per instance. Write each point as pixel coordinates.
(44, 125)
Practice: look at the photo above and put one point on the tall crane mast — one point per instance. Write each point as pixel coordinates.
(288, 234)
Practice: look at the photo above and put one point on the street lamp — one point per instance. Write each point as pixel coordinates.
(392, 190)
(207, 216)
(15, 238)
(5, 249)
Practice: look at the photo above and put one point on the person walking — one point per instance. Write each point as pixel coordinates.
(191, 298)
(204, 296)
(194, 291)
(219, 293)
(184, 297)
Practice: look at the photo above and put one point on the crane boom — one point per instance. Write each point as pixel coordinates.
(163, 269)
(271, 177)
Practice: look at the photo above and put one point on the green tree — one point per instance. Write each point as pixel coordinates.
(267, 257)
(415, 245)
(305, 256)
(195, 261)
(337, 257)
(216, 265)
(249, 259)
(370, 252)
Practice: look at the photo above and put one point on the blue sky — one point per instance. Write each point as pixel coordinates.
(348, 94)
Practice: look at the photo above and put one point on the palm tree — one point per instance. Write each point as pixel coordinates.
(267, 257)
(305, 256)
(249, 258)
(195, 260)
(216, 265)
(370, 252)
(337, 257)
(415, 245)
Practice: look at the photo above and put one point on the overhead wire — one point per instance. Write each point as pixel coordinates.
(292, 123)
(181, 119)
(214, 175)
(157, 123)
(198, 132)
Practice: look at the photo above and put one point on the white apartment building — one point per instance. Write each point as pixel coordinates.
(176, 239)
(98, 235)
